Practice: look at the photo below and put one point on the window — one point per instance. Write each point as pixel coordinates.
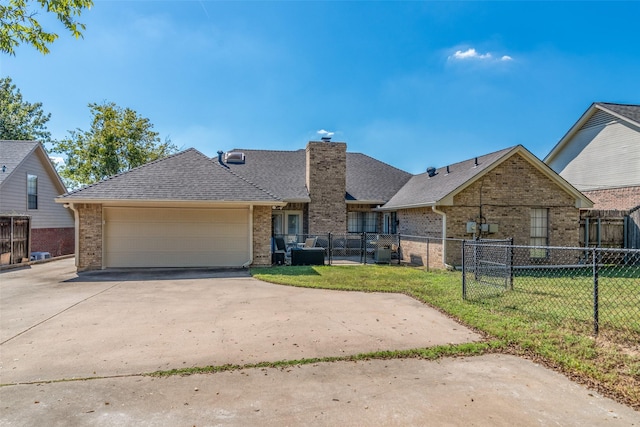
(358, 222)
(389, 223)
(32, 192)
(539, 234)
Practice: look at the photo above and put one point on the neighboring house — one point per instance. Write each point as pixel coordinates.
(28, 186)
(600, 155)
(190, 210)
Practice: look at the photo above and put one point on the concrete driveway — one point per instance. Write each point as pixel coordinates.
(115, 326)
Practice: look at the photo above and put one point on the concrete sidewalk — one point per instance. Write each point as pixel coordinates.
(491, 390)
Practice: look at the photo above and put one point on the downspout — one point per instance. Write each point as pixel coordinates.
(76, 232)
(444, 236)
(248, 263)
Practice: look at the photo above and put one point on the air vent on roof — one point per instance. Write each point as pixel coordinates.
(234, 157)
(431, 171)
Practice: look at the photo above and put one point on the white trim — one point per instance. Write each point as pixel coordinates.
(248, 263)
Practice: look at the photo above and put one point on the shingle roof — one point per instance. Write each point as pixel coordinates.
(284, 173)
(186, 176)
(629, 111)
(371, 180)
(279, 172)
(12, 153)
(423, 190)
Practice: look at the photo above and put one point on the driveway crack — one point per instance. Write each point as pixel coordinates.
(59, 313)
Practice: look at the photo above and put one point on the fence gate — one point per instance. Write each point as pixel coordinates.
(14, 239)
(487, 267)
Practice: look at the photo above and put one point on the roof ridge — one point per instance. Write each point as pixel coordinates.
(378, 160)
(109, 178)
(483, 156)
(215, 162)
(615, 103)
(268, 151)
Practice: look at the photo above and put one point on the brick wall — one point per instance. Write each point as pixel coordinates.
(624, 198)
(326, 177)
(419, 222)
(507, 194)
(56, 241)
(261, 235)
(89, 256)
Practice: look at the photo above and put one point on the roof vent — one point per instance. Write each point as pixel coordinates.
(431, 171)
(234, 157)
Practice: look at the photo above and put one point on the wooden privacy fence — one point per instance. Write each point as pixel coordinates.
(610, 228)
(15, 239)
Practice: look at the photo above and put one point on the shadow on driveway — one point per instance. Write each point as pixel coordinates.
(144, 274)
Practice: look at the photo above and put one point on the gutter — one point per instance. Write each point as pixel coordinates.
(444, 236)
(76, 232)
(248, 263)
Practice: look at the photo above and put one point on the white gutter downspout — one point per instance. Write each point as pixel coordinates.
(444, 236)
(76, 232)
(248, 263)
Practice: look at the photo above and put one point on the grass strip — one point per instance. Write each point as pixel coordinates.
(605, 363)
(430, 353)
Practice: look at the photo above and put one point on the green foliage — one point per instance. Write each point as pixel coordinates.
(119, 140)
(20, 120)
(19, 25)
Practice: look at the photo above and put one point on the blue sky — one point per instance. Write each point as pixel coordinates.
(415, 84)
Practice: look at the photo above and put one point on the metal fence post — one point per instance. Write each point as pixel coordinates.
(511, 263)
(596, 313)
(428, 239)
(363, 247)
(330, 248)
(464, 273)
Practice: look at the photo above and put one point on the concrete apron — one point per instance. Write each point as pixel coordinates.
(110, 324)
(57, 326)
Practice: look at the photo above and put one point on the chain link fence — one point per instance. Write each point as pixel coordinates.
(594, 289)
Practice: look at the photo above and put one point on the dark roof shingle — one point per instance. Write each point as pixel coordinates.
(185, 176)
(629, 111)
(12, 153)
(424, 190)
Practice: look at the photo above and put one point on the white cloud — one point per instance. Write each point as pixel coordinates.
(325, 133)
(472, 54)
(57, 160)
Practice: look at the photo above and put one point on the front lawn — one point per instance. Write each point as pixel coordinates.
(609, 366)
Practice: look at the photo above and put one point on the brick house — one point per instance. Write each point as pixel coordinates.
(28, 186)
(190, 210)
(600, 155)
(506, 194)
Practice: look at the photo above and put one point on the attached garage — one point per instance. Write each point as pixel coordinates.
(176, 237)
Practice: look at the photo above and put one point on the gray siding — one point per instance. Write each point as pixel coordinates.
(605, 154)
(13, 197)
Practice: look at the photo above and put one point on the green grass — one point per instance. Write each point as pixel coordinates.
(610, 362)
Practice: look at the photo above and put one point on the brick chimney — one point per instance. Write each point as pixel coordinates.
(327, 185)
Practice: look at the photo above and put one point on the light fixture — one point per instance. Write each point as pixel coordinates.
(4, 168)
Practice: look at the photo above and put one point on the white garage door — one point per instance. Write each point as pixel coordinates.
(173, 237)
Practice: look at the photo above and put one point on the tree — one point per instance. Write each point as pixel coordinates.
(19, 25)
(19, 119)
(119, 140)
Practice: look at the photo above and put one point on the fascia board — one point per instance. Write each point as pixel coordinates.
(167, 203)
(571, 132)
